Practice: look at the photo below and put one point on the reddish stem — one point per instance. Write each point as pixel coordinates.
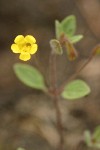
(93, 53)
(55, 96)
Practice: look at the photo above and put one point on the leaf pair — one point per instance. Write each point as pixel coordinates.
(68, 27)
(34, 79)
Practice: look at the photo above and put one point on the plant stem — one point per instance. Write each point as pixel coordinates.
(93, 53)
(52, 71)
(55, 96)
(59, 121)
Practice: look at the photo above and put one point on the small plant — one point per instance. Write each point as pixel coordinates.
(93, 139)
(72, 89)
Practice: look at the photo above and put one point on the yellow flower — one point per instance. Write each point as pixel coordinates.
(26, 46)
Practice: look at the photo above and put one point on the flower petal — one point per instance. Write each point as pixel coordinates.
(24, 56)
(33, 49)
(15, 48)
(30, 39)
(19, 39)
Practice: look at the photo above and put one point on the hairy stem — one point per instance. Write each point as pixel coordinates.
(59, 121)
(55, 96)
(93, 53)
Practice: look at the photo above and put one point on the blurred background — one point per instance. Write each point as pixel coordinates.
(27, 116)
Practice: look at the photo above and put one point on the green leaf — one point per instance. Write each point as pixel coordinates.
(96, 134)
(58, 29)
(75, 89)
(87, 136)
(29, 76)
(69, 25)
(76, 38)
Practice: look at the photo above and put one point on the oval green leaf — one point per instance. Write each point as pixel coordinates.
(69, 25)
(75, 90)
(30, 76)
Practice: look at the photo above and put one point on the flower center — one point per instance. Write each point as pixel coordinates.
(25, 47)
(28, 44)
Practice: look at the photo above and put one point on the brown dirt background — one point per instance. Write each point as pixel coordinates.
(27, 116)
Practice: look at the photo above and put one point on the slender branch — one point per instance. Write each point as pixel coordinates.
(52, 71)
(59, 121)
(93, 53)
(55, 96)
